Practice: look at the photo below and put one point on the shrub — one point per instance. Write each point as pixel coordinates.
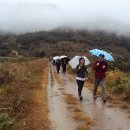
(6, 76)
(5, 122)
(119, 83)
(119, 87)
(70, 70)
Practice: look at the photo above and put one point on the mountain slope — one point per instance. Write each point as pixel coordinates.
(67, 42)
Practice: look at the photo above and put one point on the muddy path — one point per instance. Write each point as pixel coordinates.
(58, 113)
(104, 117)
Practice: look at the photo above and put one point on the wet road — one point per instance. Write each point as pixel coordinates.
(105, 118)
(59, 115)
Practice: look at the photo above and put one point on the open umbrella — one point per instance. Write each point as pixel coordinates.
(66, 59)
(97, 52)
(63, 56)
(56, 57)
(75, 61)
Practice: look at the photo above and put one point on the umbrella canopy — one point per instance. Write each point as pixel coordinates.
(75, 61)
(56, 57)
(97, 52)
(63, 56)
(65, 59)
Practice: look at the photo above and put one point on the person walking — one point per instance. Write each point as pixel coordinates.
(100, 67)
(58, 64)
(64, 64)
(82, 75)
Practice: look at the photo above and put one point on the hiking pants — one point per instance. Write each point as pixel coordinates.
(96, 84)
(80, 87)
(58, 68)
(64, 68)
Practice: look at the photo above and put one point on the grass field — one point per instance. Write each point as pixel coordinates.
(23, 97)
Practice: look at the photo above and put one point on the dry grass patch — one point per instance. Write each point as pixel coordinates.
(70, 99)
(77, 109)
(125, 106)
(25, 94)
(74, 108)
(61, 89)
(78, 116)
(115, 101)
(84, 121)
(83, 127)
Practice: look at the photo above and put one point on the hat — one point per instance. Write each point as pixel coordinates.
(101, 55)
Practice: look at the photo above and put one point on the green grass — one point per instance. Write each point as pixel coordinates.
(5, 122)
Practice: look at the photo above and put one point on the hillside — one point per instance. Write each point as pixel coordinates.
(67, 42)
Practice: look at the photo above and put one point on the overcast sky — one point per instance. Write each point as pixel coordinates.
(33, 15)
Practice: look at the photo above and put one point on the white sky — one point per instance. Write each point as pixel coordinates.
(34, 15)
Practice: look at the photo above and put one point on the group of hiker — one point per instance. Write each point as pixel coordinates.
(61, 63)
(100, 67)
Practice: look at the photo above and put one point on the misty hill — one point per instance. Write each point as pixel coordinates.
(67, 42)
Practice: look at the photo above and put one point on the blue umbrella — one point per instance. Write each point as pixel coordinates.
(97, 52)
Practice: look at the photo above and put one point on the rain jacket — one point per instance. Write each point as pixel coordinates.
(81, 72)
(100, 72)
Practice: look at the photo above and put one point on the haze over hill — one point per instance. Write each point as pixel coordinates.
(21, 16)
(65, 26)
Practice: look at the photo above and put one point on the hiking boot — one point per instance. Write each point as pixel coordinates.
(80, 98)
(95, 96)
(104, 100)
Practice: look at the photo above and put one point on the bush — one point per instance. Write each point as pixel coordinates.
(6, 76)
(119, 83)
(119, 87)
(5, 122)
(70, 70)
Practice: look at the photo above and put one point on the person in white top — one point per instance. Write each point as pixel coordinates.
(82, 75)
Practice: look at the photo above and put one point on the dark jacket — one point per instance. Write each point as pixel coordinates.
(82, 71)
(64, 62)
(100, 72)
(58, 62)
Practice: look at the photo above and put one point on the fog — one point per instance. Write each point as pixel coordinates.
(20, 16)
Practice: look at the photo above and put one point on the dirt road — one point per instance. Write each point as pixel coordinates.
(104, 117)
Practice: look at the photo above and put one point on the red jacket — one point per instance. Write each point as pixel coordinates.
(100, 71)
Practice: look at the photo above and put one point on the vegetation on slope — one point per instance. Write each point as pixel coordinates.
(23, 97)
(68, 42)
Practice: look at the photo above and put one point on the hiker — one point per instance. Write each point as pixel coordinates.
(100, 67)
(53, 62)
(50, 59)
(82, 75)
(64, 64)
(58, 64)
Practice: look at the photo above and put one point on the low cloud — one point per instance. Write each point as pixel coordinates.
(34, 15)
